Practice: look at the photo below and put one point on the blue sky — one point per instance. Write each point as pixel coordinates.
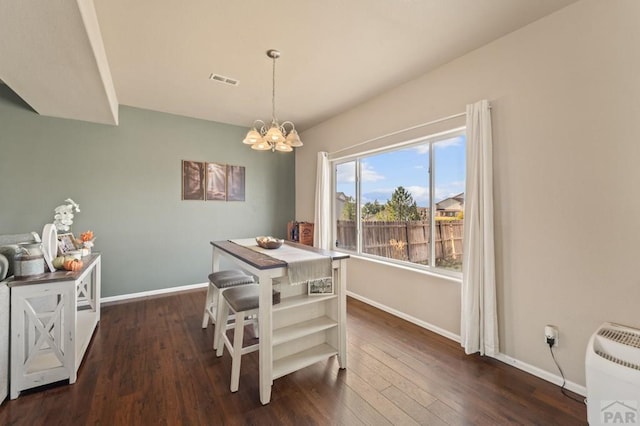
(383, 173)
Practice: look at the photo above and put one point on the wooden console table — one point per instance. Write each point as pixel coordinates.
(302, 329)
(53, 317)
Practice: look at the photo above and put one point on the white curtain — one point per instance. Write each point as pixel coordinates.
(479, 319)
(322, 217)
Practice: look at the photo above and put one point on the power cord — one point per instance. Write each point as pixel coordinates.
(550, 342)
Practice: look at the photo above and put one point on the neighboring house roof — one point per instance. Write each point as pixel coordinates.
(452, 203)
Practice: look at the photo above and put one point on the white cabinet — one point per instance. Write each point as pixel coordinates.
(53, 317)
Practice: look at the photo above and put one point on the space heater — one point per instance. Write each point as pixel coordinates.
(613, 375)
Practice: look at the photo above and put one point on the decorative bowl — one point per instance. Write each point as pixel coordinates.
(269, 242)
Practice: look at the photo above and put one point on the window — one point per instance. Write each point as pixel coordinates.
(404, 204)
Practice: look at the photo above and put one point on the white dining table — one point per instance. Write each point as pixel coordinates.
(302, 328)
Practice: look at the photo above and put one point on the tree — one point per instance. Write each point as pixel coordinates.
(370, 210)
(402, 206)
(349, 209)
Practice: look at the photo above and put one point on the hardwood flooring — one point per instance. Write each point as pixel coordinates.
(150, 363)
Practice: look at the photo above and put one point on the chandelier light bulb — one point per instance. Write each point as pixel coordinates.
(283, 147)
(274, 135)
(293, 139)
(261, 146)
(252, 137)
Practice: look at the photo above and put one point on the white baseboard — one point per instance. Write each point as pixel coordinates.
(543, 374)
(527, 368)
(151, 293)
(411, 319)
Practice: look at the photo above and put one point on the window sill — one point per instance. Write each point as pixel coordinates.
(444, 276)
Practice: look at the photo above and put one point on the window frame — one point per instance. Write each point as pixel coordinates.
(358, 158)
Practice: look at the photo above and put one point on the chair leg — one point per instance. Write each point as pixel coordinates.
(236, 356)
(223, 315)
(207, 306)
(221, 308)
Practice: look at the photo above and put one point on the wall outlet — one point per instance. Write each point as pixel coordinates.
(551, 333)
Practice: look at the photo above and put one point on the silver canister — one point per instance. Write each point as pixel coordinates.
(29, 260)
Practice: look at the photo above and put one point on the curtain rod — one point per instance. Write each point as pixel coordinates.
(417, 126)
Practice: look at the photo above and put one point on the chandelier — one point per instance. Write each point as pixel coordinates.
(277, 137)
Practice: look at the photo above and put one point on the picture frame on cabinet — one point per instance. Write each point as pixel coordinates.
(66, 243)
(320, 287)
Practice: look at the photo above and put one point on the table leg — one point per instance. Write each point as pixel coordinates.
(342, 314)
(266, 350)
(215, 260)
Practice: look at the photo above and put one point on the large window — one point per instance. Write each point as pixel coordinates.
(404, 204)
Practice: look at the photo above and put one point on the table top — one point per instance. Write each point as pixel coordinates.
(57, 276)
(262, 261)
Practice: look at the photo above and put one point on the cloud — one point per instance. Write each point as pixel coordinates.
(456, 141)
(422, 149)
(420, 194)
(345, 173)
(449, 190)
(369, 174)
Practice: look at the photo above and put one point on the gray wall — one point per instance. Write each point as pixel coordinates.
(127, 181)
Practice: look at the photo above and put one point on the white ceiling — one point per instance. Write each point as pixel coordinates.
(158, 54)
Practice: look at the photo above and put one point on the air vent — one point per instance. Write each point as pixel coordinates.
(225, 80)
(621, 336)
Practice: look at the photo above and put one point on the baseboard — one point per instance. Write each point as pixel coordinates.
(543, 374)
(149, 293)
(527, 368)
(411, 319)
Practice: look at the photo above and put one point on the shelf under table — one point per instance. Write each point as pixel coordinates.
(294, 362)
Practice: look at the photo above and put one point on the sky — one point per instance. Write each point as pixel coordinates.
(383, 173)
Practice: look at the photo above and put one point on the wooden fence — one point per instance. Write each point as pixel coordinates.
(406, 240)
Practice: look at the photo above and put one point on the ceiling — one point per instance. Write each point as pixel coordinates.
(81, 59)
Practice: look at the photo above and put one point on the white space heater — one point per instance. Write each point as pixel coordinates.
(613, 375)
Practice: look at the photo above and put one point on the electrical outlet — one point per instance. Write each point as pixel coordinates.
(551, 334)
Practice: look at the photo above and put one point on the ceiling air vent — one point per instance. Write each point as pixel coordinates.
(225, 80)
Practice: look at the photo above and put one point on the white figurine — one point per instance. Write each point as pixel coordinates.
(63, 218)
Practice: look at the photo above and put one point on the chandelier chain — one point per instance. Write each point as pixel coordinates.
(273, 92)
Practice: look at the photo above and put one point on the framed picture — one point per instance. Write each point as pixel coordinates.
(216, 181)
(235, 183)
(66, 243)
(193, 180)
(320, 287)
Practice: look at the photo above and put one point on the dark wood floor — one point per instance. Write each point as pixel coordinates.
(150, 363)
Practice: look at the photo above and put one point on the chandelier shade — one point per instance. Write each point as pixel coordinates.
(276, 137)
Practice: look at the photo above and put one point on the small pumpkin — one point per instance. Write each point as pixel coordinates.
(58, 262)
(73, 265)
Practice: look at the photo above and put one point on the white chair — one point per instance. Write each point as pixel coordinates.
(243, 302)
(219, 282)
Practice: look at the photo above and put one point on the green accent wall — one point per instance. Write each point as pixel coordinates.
(127, 181)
